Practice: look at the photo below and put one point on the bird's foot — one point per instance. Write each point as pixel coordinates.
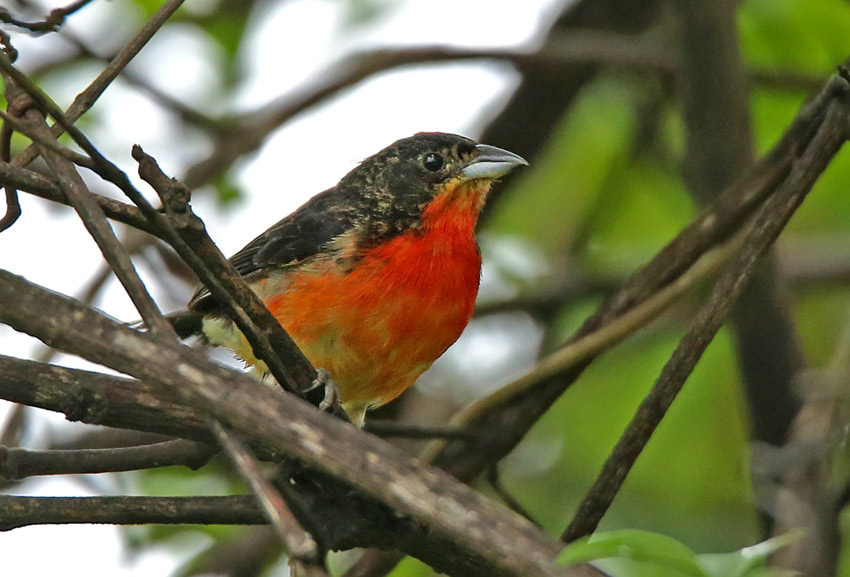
(330, 401)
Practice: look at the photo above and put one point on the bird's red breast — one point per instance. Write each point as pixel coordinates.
(376, 277)
(378, 327)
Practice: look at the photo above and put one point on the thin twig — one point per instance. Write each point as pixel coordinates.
(86, 99)
(18, 463)
(766, 227)
(389, 430)
(16, 512)
(495, 482)
(13, 208)
(46, 141)
(43, 187)
(299, 545)
(187, 235)
(50, 24)
(78, 194)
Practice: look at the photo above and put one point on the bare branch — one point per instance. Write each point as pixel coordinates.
(464, 529)
(229, 510)
(86, 99)
(18, 463)
(299, 545)
(80, 197)
(388, 430)
(267, 337)
(39, 185)
(13, 208)
(50, 24)
(766, 227)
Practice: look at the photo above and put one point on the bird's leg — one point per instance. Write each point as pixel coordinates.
(331, 401)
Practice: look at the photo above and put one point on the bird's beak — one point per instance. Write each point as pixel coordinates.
(491, 163)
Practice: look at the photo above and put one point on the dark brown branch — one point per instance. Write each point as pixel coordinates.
(389, 430)
(719, 150)
(98, 399)
(268, 338)
(506, 416)
(299, 546)
(71, 183)
(374, 562)
(766, 227)
(227, 510)
(39, 185)
(495, 482)
(18, 463)
(463, 529)
(86, 99)
(50, 24)
(13, 208)
(564, 52)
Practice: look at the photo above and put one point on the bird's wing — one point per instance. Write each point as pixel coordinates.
(295, 239)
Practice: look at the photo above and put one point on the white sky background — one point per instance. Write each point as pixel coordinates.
(290, 42)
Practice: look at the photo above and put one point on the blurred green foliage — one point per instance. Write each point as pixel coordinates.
(649, 554)
(597, 199)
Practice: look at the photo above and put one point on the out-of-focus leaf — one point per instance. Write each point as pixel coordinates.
(669, 554)
(633, 544)
(746, 562)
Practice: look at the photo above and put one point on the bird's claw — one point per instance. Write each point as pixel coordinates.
(331, 401)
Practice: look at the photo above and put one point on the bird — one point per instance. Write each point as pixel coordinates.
(375, 277)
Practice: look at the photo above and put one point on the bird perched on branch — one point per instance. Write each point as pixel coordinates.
(376, 277)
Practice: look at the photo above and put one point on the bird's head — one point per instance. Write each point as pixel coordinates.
(426, 173)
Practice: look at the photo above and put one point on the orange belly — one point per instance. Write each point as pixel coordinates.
(378, 327)
(379, 324)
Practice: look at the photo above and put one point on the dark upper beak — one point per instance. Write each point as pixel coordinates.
(491, 163)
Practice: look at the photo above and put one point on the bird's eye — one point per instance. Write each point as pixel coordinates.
(433, 161)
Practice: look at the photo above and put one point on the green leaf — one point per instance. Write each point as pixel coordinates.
(746, 562)
(644, 546)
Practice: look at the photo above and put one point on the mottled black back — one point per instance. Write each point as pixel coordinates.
(381, 198)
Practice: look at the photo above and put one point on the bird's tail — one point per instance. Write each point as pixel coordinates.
(186, 323)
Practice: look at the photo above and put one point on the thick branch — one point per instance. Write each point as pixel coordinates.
(474, 537)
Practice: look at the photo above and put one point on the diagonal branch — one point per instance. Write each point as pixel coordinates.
(465, 531)
(47, 188)
(300, 547)
(506, 416)
(766, 227)
(86, 99)
(188, 236)
(80, 197)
